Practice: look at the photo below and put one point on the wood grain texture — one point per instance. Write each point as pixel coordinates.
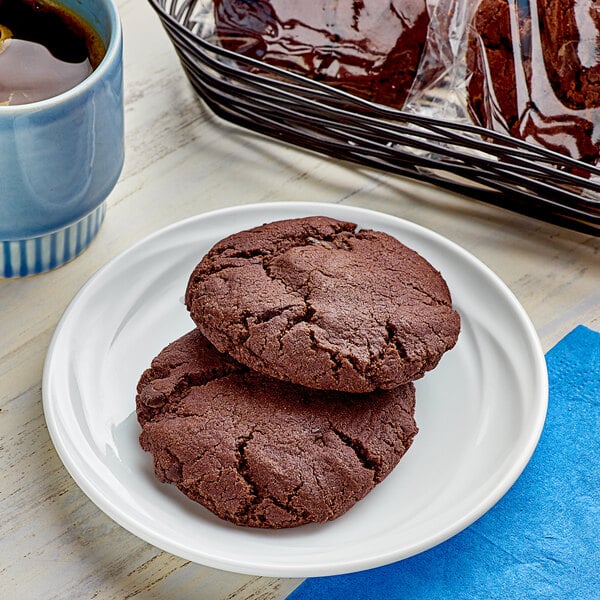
(181, 161)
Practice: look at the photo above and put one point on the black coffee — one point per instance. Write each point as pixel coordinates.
(45, 49)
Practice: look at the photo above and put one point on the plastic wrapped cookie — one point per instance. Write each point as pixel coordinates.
(534, 73)
(371, 48)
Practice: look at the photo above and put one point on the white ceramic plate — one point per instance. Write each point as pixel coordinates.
(480, 412)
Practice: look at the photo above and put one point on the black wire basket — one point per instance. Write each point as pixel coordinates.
(482, 164)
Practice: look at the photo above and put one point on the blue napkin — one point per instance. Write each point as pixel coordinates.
(542, 540)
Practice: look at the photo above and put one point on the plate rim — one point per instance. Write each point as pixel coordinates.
(300, 570)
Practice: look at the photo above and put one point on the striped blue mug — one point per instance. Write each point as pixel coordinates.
(61, 157)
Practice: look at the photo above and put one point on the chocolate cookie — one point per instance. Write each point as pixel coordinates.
(261, 452)
(316, 302)
(537, 79)
(570, 37)
(370, 48)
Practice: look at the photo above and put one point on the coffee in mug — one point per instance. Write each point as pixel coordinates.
(45, 49)
(61, 156)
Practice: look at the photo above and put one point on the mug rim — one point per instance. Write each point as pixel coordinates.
(110, 56)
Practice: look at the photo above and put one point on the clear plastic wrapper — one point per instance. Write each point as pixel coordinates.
(527, 68)
(370, 48)
(498, 99)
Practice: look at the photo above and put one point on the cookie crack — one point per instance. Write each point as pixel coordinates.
(162, 403)
(243, 467)
(391, 338)
(422, 291)
(337, 359)
(328, 502)
(244, 470)
(157, 398)
(301, 240)
(174, 472)
(359, 450)
(215, 266)
(336, 241)
(305, 316)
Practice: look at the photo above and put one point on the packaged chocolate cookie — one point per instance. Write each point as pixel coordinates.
(533, 71)
(371, 48)
(525, 68)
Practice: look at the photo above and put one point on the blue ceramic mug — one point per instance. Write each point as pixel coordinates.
(61, 157)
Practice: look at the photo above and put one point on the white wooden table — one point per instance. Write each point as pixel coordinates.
(181, 161)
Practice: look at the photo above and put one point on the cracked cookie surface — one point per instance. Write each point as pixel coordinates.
(317, 302)
(261, 452)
